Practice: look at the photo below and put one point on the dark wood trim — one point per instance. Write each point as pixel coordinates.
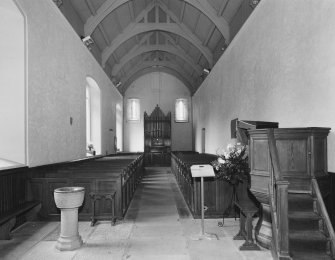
(330, 201)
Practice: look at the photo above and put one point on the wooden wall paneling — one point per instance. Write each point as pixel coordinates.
(12, 189)
(86, 208)
(36, 191)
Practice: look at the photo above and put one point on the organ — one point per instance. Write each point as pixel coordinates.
(157, 138)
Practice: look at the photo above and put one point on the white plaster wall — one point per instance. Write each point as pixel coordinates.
(152, 89)
(279, 67)
(58, 64)
(12, 83)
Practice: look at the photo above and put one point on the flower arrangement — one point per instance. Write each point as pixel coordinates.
(90, 147)
(232, 164)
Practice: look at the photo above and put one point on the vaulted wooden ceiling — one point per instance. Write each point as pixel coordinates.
(180, 37)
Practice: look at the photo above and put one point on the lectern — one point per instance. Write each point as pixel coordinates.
(202, 171)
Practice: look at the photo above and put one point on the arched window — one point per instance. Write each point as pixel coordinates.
(133, 109)
(181, 110)
(119, 124)
(93, 117)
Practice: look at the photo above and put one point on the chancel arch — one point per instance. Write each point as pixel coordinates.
(93, 116)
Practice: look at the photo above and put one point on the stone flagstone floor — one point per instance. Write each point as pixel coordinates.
(157, 226)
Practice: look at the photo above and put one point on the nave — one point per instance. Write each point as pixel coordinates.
(157, 225)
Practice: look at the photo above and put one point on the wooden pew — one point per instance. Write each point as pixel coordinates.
(122, 174)
(15, 206)
(218, 192)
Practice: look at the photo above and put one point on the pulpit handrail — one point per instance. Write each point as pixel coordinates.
(324, 214)
(278, 194)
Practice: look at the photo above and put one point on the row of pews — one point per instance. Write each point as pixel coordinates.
(218, 193)
(121, 174)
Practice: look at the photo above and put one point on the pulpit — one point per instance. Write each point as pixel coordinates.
(157, 138)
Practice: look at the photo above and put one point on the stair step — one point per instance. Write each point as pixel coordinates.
(310, 256)
(298, 201)
(308, 241)
(304, 215)
(304, 220)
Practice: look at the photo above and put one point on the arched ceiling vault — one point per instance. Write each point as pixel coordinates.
(180, 37)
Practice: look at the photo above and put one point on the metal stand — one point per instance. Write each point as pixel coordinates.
(202, 171)
(204, 235)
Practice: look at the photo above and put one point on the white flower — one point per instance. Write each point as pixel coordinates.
(221, 161)
(230, 147)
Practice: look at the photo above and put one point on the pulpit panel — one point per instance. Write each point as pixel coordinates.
(293, 156)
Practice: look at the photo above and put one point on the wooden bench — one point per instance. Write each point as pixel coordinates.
(218, 192)
(247, 210)
(120, 175)
(8, 220)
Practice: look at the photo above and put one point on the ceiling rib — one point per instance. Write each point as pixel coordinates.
(91, 7)
(106, 8)
(141, 28)
(203, 6)
(182, 11)
(131, 9)
(158, 47)
(100, 27)
(176, 28)
(196, 41)
(223, 7)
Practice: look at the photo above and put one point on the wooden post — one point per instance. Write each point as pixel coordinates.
(282, 211)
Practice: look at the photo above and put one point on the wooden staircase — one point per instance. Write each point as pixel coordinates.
(308, 239)
(301, 228)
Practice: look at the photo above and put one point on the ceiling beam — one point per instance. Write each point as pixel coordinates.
(100, 27)
(209, 35)
(210, 12)
(202, 5)
(146, 67)
(197, 42)
(223, 7)
(131, 9)
(159, 47)
(91, 7)
(105, 9)
(182, 11)
(134, 29)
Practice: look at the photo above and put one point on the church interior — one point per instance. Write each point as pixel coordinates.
(120, 120)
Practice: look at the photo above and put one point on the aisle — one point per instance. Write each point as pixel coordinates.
(157, 226)
(157, 232)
